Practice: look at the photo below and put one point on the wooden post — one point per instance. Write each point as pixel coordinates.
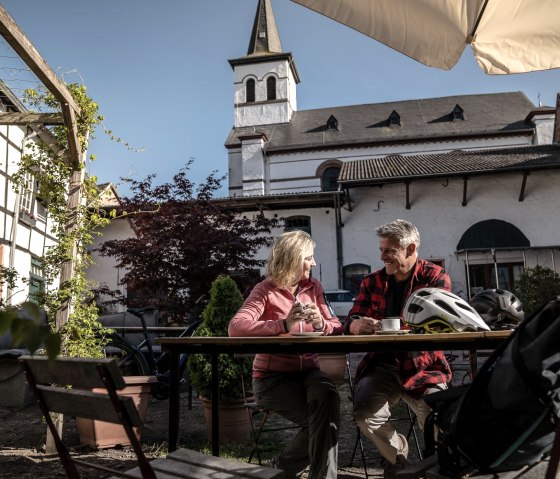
(15, 37)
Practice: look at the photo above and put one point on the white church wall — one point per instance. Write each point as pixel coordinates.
(296, 172)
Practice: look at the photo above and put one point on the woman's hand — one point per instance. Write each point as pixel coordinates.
(313, 316)
(296, 315)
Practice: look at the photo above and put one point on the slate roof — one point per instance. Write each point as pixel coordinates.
(493, 114)
(397, 168)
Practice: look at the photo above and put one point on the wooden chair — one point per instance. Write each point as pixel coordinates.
(64, 386)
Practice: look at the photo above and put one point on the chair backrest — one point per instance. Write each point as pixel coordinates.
(64, 386)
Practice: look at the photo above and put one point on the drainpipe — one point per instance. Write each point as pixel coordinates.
(339, 258)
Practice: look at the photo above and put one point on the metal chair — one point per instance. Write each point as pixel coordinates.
(259, 417)
(409, 419)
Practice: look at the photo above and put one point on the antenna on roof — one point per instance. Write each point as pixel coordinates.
(539, 98)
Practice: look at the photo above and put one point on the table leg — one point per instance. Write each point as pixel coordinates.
(215, 410)
(173, 401)
(473, 358)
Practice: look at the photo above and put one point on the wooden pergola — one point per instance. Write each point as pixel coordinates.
(72, 156)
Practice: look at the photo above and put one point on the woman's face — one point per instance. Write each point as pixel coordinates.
(308, 263)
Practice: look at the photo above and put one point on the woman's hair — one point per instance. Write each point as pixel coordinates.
(285, 261)
(402, 231)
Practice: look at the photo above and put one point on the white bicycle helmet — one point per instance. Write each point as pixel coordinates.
(499, 308)
(435, 310)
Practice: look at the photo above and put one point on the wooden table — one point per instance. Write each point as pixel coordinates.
(303, 344)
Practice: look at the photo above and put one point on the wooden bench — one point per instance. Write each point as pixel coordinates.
(64, 386)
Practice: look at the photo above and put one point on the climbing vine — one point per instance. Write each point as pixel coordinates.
(75, 230)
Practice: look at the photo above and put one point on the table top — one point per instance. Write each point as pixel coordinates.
(350, 343)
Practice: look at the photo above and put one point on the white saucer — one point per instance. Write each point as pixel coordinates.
(396, 331)
(308, 333)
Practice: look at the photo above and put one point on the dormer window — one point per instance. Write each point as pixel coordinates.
(394, 119)
(457, 113)
(250, 91)
(271, 88)
(332, 123)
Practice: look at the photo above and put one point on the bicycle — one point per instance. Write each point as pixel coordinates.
(141, 359)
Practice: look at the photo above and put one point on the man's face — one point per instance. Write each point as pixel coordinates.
(397, 260)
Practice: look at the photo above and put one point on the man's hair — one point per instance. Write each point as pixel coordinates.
(285, 261)
(402, 231)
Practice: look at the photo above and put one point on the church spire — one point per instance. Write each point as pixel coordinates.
(264, 38)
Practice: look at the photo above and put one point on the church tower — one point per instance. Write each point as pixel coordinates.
(266, 78)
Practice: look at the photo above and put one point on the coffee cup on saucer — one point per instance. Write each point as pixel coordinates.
(391, 324)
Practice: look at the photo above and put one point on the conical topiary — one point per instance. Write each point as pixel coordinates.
(225, 300)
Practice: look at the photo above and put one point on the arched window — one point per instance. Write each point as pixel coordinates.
(250, 91)
(329, 179)
(493, 234)
(271, 88)
(494, 271)
(352, 275)
(298, 223)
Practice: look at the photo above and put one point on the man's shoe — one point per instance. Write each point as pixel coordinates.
(273, 463)
(390, 470)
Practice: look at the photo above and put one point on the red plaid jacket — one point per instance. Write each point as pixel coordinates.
(417, 369)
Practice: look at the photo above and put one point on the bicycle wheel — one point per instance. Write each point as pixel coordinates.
(131, 362)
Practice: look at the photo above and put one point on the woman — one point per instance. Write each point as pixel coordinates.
(288, 302)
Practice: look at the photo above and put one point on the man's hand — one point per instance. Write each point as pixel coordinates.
(364, 325)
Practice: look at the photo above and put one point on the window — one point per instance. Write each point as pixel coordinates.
(352, 275)
(483, 276)
(394, 119)
(298, 223)
(457, 113)
(332, 123)
(26, 197)
(36, 280)
(329, 180)
(250, 91)
(271, 88)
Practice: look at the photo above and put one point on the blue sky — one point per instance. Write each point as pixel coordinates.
(159, 71)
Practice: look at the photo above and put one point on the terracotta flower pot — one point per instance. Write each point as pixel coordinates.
(235, 423)
(101, 434)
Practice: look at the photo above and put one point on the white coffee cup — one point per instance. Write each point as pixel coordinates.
(391, 324)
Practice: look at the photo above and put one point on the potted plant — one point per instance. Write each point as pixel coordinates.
(225, 299)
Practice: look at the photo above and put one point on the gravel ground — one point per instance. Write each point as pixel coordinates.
(23, 431)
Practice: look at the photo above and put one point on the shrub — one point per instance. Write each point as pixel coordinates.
(225, 300)
(536, 286)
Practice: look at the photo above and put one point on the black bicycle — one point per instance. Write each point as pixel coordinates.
(141, 359)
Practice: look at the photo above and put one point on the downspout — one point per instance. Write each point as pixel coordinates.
(338, 219)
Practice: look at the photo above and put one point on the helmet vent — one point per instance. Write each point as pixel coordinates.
(444, 305)
(414, 308)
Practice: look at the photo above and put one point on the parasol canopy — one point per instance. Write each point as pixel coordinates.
(506, 36)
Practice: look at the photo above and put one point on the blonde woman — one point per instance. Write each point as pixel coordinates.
(290, 301)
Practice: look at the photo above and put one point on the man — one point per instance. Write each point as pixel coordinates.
(384, 378)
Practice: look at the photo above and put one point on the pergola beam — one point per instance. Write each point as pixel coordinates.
(15, 37)
(24, 119)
